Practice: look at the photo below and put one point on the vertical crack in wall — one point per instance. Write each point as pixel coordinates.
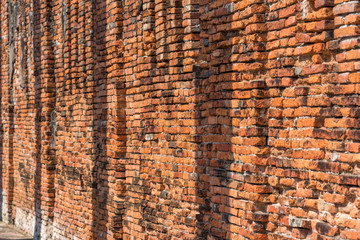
(38, 110)
(13, 24)
(101, 164)
(63, 19)
(117, 124)
(23, 48)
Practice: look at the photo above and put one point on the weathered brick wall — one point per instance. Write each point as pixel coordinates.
(180, 119)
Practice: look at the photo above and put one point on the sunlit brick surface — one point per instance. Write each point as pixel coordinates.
(181, 119)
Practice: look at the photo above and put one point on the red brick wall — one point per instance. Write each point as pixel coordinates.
(180, 119)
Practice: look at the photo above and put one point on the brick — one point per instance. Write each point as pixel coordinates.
(326, 229)
(348, 234)
(346, 8)
(323, 3)
(346, 32)
(334, 198)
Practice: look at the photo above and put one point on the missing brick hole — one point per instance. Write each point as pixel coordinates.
(306, 7)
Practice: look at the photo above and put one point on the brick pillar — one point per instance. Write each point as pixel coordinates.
(10, 31)
(45, 118)
(116, 119)
(233, 126)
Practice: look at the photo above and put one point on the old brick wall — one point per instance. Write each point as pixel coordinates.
(180, 119)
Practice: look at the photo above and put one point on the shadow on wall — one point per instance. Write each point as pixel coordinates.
(214, 158)
(45, 118)
(13, 9)
(231, 133)
(214, 136)
(38, 108)
(99, 172)
(108, 102)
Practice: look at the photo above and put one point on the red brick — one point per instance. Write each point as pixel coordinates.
(323, 3)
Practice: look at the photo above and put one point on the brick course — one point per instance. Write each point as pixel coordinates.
(180, 119)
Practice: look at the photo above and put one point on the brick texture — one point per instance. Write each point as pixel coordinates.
(180, 119)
